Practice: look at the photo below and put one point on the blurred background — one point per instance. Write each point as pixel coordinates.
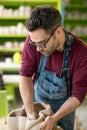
(13, 15)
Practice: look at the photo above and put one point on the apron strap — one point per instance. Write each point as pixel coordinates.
(42, 65)
(65, 71)
(67, 47)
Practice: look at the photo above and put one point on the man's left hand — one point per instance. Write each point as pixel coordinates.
(48, 124)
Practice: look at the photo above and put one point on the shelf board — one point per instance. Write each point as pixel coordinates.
(76, 7)
(13, 36)
(10, 50)
(13, 18)
(27, 2)
(75, 20)
(5, 70)
(83, 36)
(9, 67)
(52, 1)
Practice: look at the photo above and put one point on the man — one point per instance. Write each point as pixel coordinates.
(53, 68)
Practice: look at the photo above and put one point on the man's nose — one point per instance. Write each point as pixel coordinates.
(39, 48)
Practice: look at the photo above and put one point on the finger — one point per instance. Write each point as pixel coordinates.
(43, 125)
(49, 127)
(31, 117)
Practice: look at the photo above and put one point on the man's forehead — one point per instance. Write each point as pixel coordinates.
(38, 35)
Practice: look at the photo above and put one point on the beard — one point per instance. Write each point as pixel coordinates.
(48, 52)
(51, 50)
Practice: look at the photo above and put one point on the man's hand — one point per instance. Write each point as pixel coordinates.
(32, 116)
(48, 124)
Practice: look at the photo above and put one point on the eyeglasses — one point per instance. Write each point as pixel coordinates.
(44, 43)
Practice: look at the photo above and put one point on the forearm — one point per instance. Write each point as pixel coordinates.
(26, 91)
(69, 106)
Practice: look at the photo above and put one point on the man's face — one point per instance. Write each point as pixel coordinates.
(45, 43)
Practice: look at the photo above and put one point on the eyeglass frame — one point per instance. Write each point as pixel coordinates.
(44, 44)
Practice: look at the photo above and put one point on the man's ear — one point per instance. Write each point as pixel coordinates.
(58, 32)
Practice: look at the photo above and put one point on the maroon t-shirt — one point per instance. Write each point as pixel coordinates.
(77, 65)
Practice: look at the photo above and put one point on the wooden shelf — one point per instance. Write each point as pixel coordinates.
(13, 1)
(10, 50)
(84, 37)
(76, 20)
(16, 3)
(76, 7)
(9, 67)
(13, 18)
(13, 36)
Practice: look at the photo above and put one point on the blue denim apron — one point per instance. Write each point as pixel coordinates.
(54, 90)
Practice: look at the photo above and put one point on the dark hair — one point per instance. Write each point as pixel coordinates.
(44, 17)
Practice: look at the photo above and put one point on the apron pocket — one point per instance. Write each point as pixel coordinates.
(49, 90)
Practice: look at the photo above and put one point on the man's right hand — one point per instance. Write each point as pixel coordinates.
(32, 116)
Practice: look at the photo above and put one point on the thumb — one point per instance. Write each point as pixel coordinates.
(43, 125)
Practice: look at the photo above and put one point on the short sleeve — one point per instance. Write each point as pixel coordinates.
(28, 59)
